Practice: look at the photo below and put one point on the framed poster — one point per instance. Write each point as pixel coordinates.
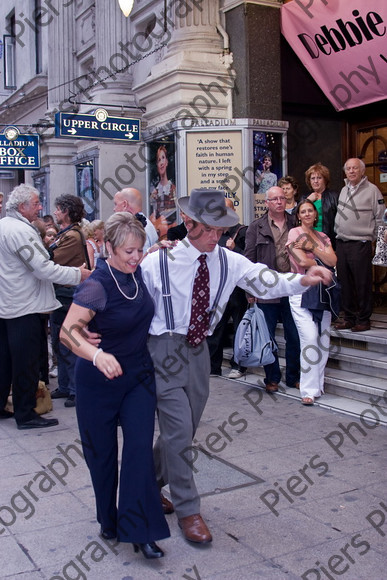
(162, 184)
(268, 163)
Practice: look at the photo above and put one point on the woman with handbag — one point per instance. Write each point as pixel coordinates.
(308, 247)
(115, 384)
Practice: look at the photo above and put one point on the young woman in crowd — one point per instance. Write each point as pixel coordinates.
(308, 247)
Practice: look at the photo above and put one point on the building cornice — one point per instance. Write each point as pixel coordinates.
(24, 99)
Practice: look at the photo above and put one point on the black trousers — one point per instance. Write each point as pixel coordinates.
(131, 399)
(354, 270)
(20, 340)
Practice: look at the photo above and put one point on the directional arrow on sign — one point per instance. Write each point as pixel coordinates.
(85, 126)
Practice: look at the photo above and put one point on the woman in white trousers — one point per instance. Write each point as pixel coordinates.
(305, 244)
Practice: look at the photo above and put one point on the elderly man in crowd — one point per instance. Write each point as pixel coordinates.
(359, 213)
(130, 199)
(26, 290)
(266, 239)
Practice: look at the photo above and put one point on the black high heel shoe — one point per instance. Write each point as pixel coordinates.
(150, 550)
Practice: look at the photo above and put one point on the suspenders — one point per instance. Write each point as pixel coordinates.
(166, 289)
(163, 258)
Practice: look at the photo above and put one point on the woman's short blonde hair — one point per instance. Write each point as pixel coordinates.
(120, 225)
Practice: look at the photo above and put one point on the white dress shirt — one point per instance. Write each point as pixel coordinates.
(183, 263)
(151, 233)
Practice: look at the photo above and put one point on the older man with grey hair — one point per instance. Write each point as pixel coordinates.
(266, 239)
(359, 213)
(26, 290)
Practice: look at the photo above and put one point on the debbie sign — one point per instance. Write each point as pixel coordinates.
(343, 46)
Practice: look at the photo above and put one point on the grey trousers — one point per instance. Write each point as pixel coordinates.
(182, 387)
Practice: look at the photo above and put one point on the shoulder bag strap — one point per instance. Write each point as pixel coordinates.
(84, 248)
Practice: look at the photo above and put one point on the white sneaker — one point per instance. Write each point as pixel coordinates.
(235, 374)
(53, 372)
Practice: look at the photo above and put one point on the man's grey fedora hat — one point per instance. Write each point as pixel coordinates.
(208, 207)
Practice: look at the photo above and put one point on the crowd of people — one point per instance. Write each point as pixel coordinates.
(150, 318)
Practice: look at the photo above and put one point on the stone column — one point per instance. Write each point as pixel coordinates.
(112, 32)
(61, 61)
(255, 32)
(194, 78)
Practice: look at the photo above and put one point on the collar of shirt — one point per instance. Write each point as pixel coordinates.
(192, 253)
(352, 189)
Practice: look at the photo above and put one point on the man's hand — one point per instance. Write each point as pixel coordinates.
(315, 275)
(93, 337)
(85, 273)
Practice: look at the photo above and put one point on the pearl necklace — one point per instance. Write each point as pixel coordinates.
(119, 289)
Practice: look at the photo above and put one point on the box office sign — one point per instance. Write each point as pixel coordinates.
(343, 46)
(19, 151)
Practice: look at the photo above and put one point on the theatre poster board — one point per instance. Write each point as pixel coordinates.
(212, 158)
(226, 154)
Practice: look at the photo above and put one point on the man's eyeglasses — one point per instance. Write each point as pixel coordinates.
(276, 199)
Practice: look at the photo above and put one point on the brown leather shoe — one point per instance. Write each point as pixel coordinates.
(195, 529)
(167, 505)
(272, 387)
(361, 327)
(343, 325)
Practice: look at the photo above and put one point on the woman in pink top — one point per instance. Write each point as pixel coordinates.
(305, 245)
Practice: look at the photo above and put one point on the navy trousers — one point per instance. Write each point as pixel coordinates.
(130, 400)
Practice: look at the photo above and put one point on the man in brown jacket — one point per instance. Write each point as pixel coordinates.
(69, 249)
(266, 238)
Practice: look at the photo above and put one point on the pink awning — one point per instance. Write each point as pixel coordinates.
(343, 44)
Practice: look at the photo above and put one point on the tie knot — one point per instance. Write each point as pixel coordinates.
(202, 259)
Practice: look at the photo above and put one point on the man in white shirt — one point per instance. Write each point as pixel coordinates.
(182, 370)
(130, 199)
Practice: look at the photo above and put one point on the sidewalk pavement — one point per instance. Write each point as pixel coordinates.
(288, 492)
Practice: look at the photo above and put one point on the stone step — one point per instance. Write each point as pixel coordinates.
(355, 376)
(365, 362)
(369, 363)
(372, 411)
(374, 340)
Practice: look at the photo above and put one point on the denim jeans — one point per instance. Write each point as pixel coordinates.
(280, 312)
(65, 358)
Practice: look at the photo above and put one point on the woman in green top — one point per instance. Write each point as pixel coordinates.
(317, 179)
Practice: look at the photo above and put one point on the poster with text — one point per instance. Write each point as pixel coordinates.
(214, 160)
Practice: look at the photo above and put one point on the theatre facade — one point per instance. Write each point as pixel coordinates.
(213, 86)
